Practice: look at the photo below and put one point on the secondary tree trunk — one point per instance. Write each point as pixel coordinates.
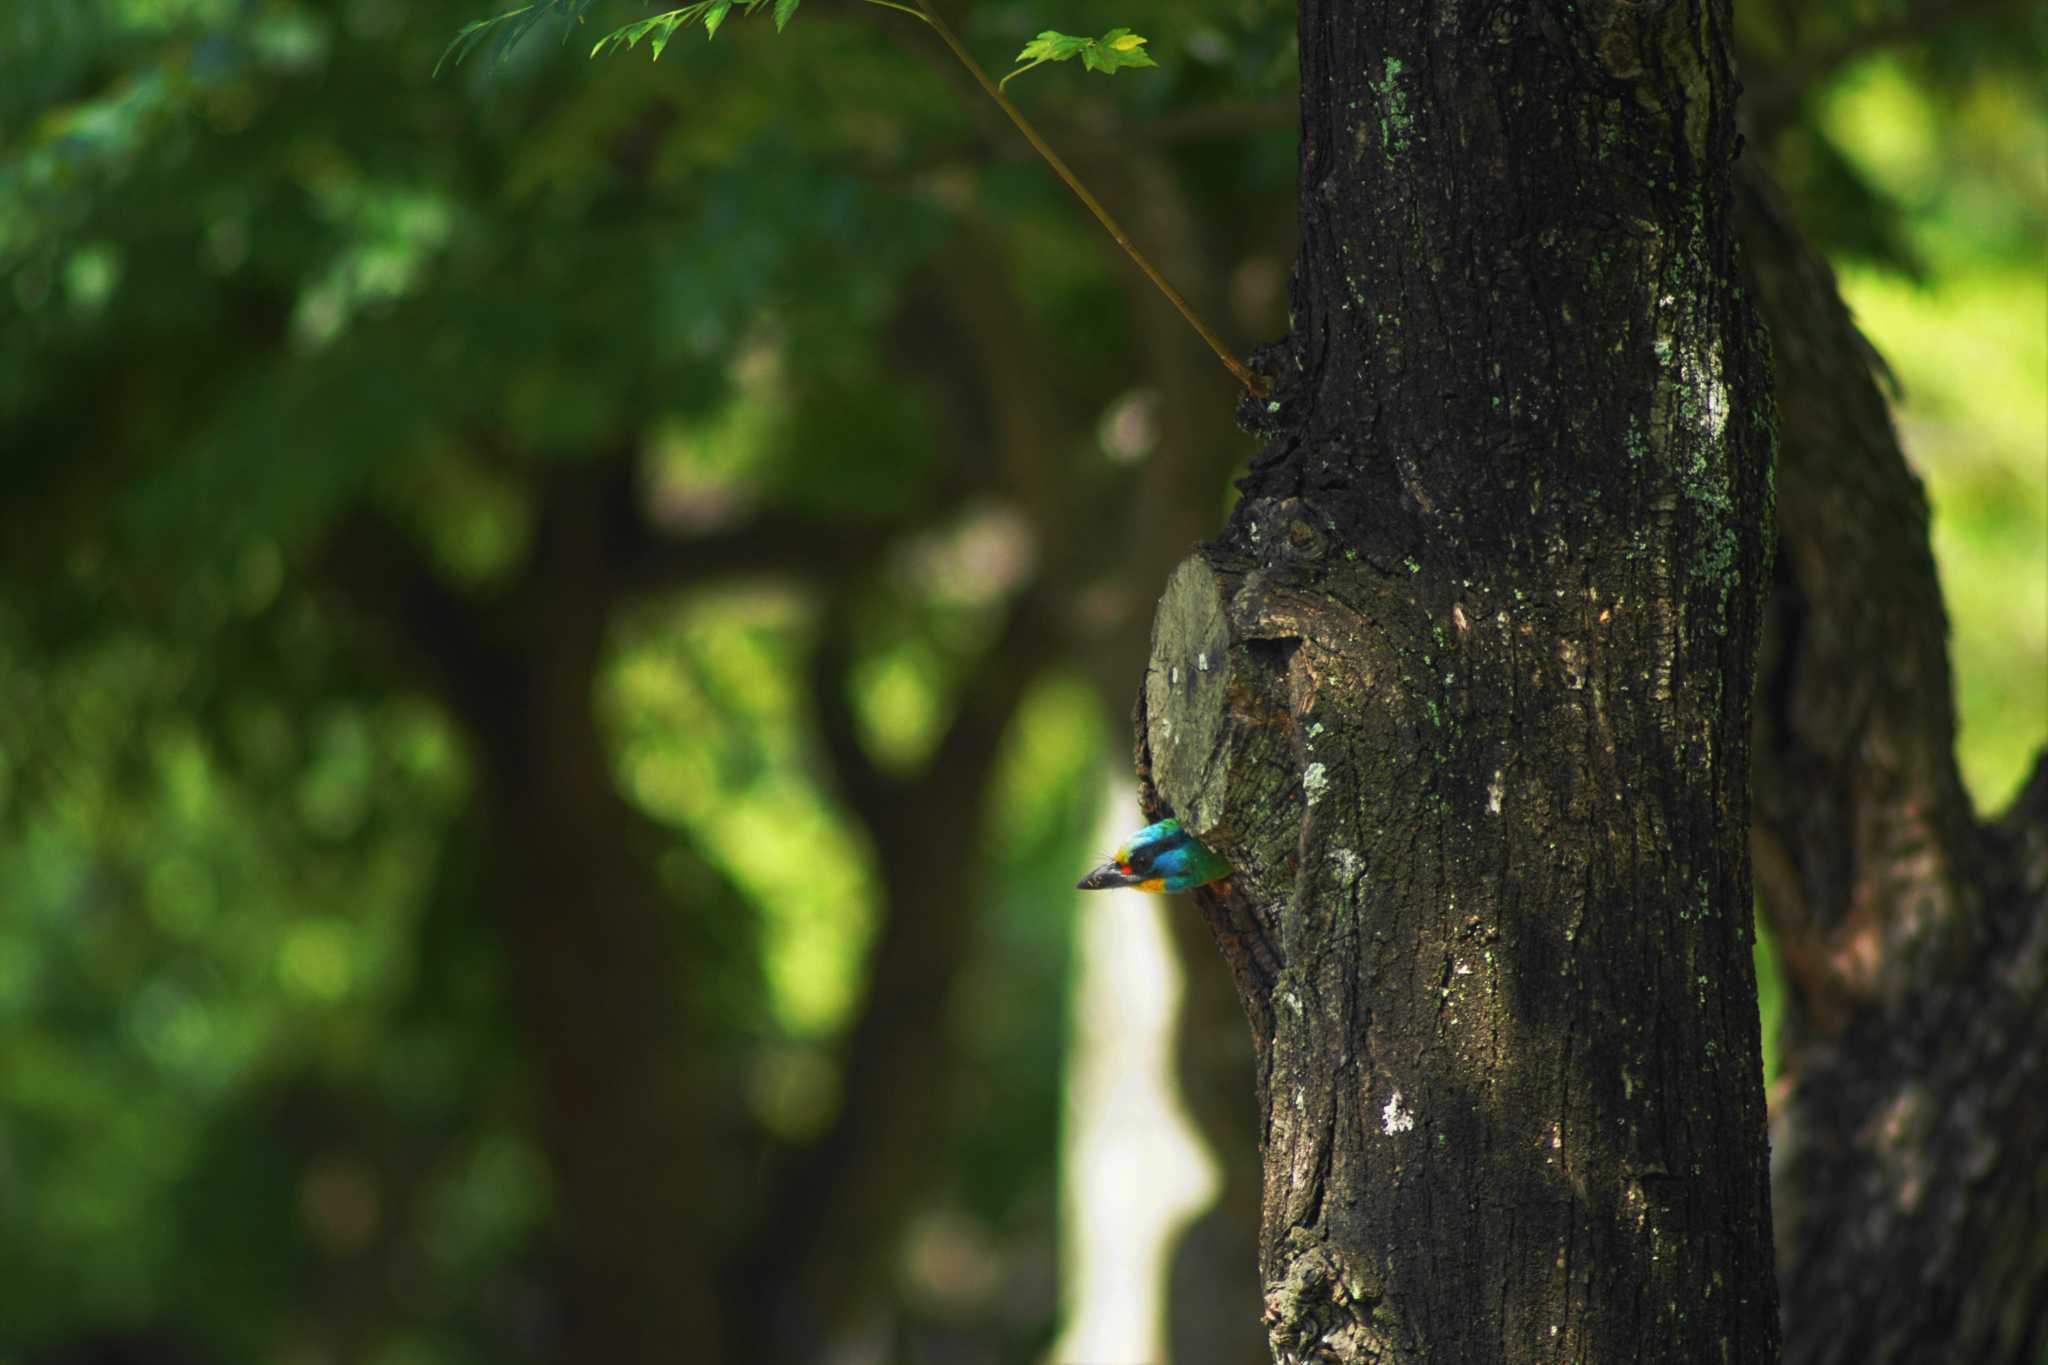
(1463, 690)
(1910, 1127)
(631, 1116)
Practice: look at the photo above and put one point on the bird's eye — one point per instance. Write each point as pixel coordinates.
(1141, 860)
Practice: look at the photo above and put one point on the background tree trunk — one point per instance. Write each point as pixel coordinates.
(1909, 1124)
(638, 1135)
(1463, 689)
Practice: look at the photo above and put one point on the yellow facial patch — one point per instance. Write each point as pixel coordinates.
(1152, 884)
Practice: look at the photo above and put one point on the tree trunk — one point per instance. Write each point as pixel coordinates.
(1910, 1125)
(638, 1137)
(1462, 692)
(629, 1117)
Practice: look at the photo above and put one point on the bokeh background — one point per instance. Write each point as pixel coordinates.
(566, 629)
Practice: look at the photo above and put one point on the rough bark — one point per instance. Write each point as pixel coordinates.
(1908, 1131)
(1462, 691)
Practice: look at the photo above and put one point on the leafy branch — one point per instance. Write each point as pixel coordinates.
(1113, 51)
(1108, 54)
(505, 30)
(659, 28)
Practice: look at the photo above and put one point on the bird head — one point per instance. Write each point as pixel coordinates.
(1161, 857)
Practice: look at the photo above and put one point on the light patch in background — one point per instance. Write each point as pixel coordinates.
(1130, 427)
(1134, 1170)
(709, 736)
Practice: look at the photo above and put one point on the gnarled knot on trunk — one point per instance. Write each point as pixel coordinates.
(1243, 655)
(1323, 1308)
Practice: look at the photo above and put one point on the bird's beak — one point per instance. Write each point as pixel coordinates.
(1105, 877)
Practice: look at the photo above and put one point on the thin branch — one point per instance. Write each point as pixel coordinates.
(653, 562)
(1110, 225)
(1004, 83)
(993, 89)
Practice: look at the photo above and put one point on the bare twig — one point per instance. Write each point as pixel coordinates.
(1243, 373)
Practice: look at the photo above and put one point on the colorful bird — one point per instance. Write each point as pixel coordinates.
(1161, 857)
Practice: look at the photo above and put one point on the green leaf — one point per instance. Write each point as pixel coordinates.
(657, 28)
(507, 29)
(476, 31)
(1051, 46)
(783, 10)
(1112, 52)
(1115, 50)
(715, 16)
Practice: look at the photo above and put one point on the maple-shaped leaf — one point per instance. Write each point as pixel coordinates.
(1108, 54)
(1115, 50)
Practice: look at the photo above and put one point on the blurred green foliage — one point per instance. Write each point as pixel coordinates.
(1968, 342)
(265, 1086)
(1915, 142)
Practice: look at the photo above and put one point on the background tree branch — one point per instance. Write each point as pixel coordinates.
(859, 1183)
